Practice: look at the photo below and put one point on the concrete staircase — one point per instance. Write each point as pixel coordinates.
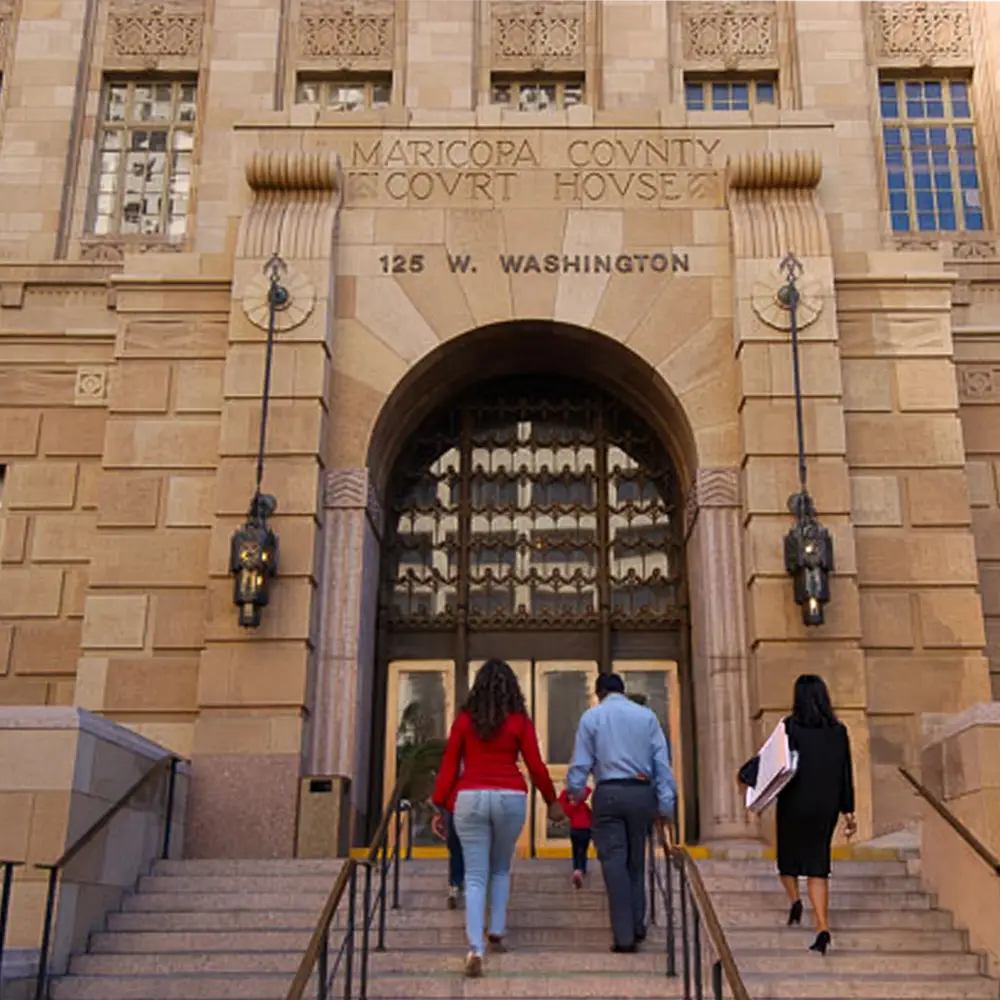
(213, 930)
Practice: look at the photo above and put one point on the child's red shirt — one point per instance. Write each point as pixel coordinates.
(578, 812)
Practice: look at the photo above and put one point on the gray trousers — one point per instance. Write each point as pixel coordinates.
(622, 818)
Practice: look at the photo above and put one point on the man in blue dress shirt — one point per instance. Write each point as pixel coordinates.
(622, 744)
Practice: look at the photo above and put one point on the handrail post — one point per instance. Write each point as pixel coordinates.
(409, 833)
(669, 903)
(717, 980)
(352, 891)
(365, 932)
(323, 967)
(397, 854)
(8, 880)
(651, 871)
(41, 983)
(685, 943)
(383, 892)
(169, 818)
(696, 958)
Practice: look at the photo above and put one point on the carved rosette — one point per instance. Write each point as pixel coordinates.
(730, 34)
(355, 36)
(922, 34)
(978, 383)
(149, 32)
(91, 387)
(538, 36)
(294, 312)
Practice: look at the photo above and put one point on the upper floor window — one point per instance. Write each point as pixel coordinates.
(144, 154)
(345, 94)
(728, 95)
(537, 95)
(930, 155)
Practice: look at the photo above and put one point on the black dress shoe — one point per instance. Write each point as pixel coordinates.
(624, 949)
(640, 936)
(795, 913)
(822, 942)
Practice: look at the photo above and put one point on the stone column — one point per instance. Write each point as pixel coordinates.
(719, 649)
(339, 745)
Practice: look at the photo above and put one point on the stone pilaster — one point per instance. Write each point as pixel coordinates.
(719, 650)
(254, 686)
(345, 663)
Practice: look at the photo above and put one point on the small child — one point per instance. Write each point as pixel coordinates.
(578, 813)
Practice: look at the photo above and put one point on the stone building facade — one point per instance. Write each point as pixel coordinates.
(464, 192)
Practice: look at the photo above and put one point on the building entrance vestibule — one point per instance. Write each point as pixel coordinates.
(537, 519)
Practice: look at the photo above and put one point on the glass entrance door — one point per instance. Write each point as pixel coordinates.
(420, 708)
(564, 690)
(655, 684)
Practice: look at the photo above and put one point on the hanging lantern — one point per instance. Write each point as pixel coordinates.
(809, 559)
(253, 560)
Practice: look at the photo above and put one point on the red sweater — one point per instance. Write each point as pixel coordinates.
(491, 763)
(578, 813)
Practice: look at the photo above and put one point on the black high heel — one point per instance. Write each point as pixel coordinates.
(821, 943)
(795, 913)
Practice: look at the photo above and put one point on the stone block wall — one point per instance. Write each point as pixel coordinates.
(145, 612)
(62, 770)
(56, 331)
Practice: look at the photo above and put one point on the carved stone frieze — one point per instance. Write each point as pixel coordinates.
(967, 249)
(922, 34)
(351, 489)
(730, 34)
(355, 36)
(718, 487)
(112, 251)
(538, 36)
(152, 31)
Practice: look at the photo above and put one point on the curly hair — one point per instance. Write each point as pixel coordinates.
(495, 694)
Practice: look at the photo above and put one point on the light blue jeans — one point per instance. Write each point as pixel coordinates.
(488, 823)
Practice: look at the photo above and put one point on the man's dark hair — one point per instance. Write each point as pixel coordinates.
(609, 684)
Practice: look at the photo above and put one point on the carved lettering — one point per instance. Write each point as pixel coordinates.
(644, 169)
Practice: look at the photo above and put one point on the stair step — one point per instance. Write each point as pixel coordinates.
(830, 985)
(776, 939)
(191, 902)
(433, 919)
(250, 868)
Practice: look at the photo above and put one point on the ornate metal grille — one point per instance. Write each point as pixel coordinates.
(534, 503)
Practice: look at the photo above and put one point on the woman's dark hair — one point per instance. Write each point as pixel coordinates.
(495, 694)
(811, 707)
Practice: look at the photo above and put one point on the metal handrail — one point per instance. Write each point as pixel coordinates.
(693, 897)
(5, 896)
(168, 763)
(317, 954)
(953, 821)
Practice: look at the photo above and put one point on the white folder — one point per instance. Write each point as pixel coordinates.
(778, 765)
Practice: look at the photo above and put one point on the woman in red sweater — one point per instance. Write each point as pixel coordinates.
(482, 786)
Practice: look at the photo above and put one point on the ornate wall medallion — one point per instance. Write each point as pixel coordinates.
(771, 310)
(292, 313)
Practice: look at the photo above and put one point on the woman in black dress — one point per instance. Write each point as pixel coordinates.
(813, 801)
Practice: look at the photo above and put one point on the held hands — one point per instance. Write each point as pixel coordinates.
(556, 812)
(438, 826)
(850, 825)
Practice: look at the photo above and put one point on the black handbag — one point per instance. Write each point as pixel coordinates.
(749, 771)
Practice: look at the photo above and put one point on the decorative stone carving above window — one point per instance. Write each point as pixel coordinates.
(6, 28)
(922, 34)
(731, 35)
(145, 33)
(539, 37)
(112, 251)
(344, 35)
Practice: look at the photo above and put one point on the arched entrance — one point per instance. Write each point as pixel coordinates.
(536, 516)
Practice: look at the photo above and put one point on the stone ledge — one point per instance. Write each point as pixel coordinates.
(938, 727)
(43, 717)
